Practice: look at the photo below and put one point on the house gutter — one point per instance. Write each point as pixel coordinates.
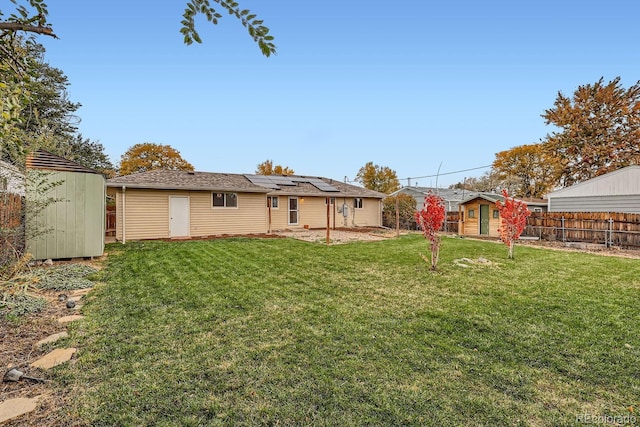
(124, 215)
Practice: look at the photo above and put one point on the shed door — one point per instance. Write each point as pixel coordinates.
(178, 216)
(484, 219)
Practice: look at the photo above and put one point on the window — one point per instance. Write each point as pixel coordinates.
(273, 202)
(225, 200)
(537, 210)
(332, 200)
(357, 203)
(471, 213)
(496, 213)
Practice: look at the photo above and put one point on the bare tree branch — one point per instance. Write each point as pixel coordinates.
(16, 26)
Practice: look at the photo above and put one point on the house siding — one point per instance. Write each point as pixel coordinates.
(147, 214)
(624, 204)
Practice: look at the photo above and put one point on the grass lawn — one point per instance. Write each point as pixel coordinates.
(283, 332)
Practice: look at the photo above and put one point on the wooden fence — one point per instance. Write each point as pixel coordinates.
(110, 225)
(10, 210)
(610, 229)
(11, 230)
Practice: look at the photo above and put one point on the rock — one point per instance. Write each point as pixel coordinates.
(482, 260)
(13, 408)
(62, 297)
(13, 375)
(71, 304)
(48, 262)
(54, 358)
(75, 298)
(51, 338)
(72, 318)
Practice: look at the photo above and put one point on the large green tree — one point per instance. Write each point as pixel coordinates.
(378, 178)
(599, 130)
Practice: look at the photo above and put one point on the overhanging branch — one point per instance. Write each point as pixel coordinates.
(16, 26)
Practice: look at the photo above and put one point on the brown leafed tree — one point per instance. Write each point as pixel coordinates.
(599, 130)
(267, 168)
(378, 178)
(148, 156)
(406, 207)
(530, 167)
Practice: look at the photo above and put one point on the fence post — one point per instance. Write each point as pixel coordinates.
(564, 239)
(610, 244)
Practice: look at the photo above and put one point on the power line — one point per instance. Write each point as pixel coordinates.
(446, 173)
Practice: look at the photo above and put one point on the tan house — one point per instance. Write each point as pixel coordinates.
(479, 215)
(179, 204)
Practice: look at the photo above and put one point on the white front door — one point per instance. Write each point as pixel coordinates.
(178, 216)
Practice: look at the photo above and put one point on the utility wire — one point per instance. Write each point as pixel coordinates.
(446, 173)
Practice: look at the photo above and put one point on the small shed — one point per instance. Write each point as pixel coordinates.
(479, 215)
(617, 191)
(68, 220)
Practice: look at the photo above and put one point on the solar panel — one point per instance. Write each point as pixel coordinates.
(275, 181)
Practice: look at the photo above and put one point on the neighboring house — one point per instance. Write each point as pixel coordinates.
(11, 180)
(479, 215)
(452, 197)
(179, 204)
(73, 225)
(617, 191)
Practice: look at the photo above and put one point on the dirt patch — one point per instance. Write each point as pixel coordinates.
(339, 236)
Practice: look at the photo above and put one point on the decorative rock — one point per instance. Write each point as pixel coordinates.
(72, 318)
(51, 338)
(55, 358)
(13, 408)
(71, 304)
(48, 262)
(13, 375)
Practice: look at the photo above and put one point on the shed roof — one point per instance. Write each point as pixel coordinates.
(41, 159)
(213, 181)
(624, 181)
(493, 197)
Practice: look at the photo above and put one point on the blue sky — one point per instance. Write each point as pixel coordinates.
(410, 85)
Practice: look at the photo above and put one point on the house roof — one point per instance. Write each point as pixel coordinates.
(493, 197)
(623, 181)
(211, 181)
(41, 159)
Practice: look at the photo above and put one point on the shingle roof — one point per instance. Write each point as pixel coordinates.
(183, 180)
(42, 159)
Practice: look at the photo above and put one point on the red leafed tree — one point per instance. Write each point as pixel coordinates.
(513, 220)
(430, 220)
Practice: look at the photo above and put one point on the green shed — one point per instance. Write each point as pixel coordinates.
(71, 224)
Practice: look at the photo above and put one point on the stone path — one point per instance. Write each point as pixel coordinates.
(14, 408)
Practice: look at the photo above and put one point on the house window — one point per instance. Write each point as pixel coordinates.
(496, 213)
(471, 213)
(225, 200)
(537, 210)
(273, 202)
(357, 203)
(332, 200)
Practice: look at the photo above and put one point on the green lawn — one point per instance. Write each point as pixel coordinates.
(282, 332)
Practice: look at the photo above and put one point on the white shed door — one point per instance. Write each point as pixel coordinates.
(178, 216)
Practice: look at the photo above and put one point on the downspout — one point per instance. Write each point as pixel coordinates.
(124, 214)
